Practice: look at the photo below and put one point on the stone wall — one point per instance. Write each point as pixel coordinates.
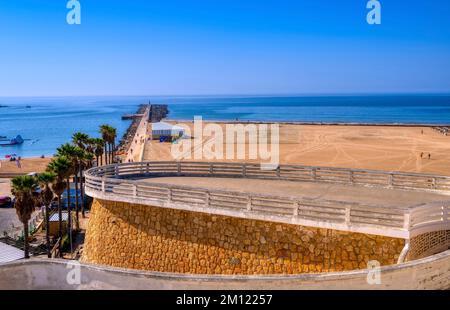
(167, 240)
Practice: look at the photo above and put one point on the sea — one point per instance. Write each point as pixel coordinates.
(46, 123)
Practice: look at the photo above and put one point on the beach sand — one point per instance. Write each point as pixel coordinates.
(391, 148)
(27, 165)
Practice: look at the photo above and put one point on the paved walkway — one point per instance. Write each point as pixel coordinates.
(310, 190)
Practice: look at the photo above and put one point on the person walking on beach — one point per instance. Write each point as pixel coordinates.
(429, 156)
(421, 155)
(18, 163)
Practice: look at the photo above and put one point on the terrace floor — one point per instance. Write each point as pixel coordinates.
(371, 196)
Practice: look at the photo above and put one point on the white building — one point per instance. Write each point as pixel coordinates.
(161, 130)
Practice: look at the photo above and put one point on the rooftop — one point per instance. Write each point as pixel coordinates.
(9, 253)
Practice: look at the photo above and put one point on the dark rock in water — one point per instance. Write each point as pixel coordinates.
(3, 106)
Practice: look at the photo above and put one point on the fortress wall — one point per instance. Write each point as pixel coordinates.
(166, 240)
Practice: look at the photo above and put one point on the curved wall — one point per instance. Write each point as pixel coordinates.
(159, 239)
(427, 273)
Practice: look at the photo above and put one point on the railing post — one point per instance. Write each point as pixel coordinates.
(314, 173)
(211, 168)
(347, 215)
(295, 208)
(116, 170)
(103, 185)
(170, 194)
(433, 184)
(391, 180)
(134, 190)
(407, 221)
(351, 176)
(147, 169)
(278, 172)
(249, 203)
(244, 170)
(207, 199)
(179, 168)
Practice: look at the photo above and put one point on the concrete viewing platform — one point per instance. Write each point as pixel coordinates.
(393, 204)
(221, 218)
(368, 196)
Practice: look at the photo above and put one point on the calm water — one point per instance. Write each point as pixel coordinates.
(51, 121)
(424, 109)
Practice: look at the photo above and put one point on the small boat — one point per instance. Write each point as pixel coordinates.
(28, 107)
(15, 141)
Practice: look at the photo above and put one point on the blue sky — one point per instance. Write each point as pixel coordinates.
(197, 47)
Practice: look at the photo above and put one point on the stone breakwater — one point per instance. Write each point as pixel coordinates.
(167, 240)
(128, 136)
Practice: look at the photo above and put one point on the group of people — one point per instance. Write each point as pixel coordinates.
(423, 154)
(443, 130)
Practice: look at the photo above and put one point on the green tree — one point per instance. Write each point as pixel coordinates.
(23, 188)
(73, 154)
(105, 132)
(109, 135)
(45, 180)
(113, 137)
(98, 150)
(85, 162)
(62, 168)
(81, 140)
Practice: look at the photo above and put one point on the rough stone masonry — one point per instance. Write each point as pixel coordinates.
(158, 239)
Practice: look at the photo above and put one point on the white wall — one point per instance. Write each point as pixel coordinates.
(428, 273)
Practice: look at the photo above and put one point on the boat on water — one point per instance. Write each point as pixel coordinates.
(15, 141)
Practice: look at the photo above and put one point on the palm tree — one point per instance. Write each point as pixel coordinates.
(105, 132)
(73, 154)
(23, 188)
(86, 159)
(88, 145)
(45, 179)
(112, 136)
(80, 139)
(61, 166)
(98, 144)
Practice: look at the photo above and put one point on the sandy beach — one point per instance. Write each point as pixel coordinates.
(392, 148)
(9, 168)
(366, 147)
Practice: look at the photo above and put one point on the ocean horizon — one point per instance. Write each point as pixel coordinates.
(47, 122)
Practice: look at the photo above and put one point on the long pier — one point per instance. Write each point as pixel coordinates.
(133, 144)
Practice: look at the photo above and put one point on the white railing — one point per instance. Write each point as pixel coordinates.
(115, 182)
